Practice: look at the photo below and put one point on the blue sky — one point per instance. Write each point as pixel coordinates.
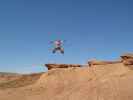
(101, 29)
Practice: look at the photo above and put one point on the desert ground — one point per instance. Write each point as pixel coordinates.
(98, 82)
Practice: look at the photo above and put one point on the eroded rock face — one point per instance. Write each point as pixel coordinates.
(97, 62)
(128, 62)
(127, 59)
(52, 66)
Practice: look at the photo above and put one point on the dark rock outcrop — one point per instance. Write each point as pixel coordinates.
(52, 66)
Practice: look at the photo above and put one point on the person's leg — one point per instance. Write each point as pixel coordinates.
(54, 50)
(62, 50)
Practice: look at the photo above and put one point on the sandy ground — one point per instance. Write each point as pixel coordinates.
(100, 82)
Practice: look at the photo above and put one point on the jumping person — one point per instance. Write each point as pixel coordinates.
(58, 46)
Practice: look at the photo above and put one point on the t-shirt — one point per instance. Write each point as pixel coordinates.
(58, 43)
